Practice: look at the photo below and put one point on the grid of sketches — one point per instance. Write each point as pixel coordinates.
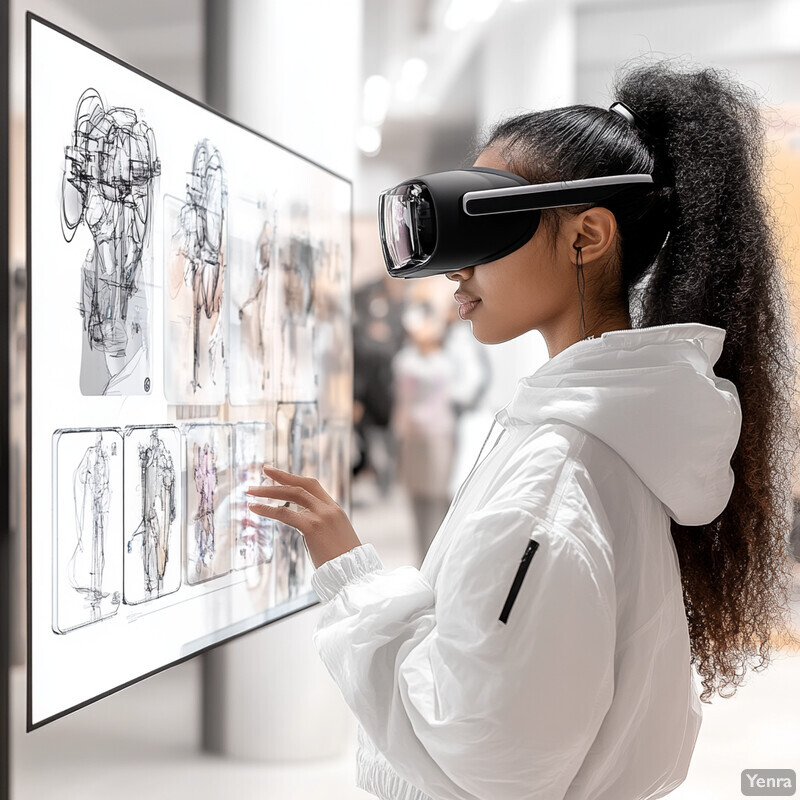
(207, 542)
(153, 492)
(195, 231)
(109, 172)
(297, 259)
(240, 311)
(87, 527)
(297, 452)
(254, 541)
(253, 232)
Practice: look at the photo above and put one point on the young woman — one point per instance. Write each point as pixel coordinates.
(631, 518)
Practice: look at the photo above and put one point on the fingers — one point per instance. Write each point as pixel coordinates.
(311, 485)
(281, 514)
(295, 494)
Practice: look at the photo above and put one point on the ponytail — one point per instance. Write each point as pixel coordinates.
(703, 248)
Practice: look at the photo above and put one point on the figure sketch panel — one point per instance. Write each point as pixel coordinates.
(253, 254)
(297, 452)
(87, 527)
(255, 535)
(195, 234)
(207, 541)
(298, 255)
(153, 506)
(110, 170)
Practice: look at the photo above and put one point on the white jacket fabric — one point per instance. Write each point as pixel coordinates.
(585, 691)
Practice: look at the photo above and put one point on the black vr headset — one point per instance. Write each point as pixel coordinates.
(444, 221)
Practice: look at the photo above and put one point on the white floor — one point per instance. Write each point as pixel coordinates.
(143, 742)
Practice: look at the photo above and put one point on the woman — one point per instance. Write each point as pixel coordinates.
(424, 420)
(632, 518)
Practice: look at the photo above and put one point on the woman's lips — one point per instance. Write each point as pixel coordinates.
(464, 309)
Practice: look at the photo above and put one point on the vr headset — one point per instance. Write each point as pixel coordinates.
(444, 221)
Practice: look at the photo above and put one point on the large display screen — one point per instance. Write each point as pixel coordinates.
(189, 321)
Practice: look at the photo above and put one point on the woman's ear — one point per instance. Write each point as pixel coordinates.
(594, 231)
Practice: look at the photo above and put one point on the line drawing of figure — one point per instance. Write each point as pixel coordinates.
(202, 227)
(259, 291)
(298, 300)
(255, 536)
(158, 513)
(110, 169)
(92, 498)
(302, 454)
(205, 479)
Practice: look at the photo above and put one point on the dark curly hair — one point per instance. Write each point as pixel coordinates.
(703, 247)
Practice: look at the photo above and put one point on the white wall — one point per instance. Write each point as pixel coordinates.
(294, 75)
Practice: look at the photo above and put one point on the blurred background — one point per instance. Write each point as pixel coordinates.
(380, 90)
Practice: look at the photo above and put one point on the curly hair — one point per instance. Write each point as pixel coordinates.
(703, 247)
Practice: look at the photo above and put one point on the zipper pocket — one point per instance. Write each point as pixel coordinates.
(524, 563)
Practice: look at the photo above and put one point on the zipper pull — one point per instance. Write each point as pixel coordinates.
(524, 563)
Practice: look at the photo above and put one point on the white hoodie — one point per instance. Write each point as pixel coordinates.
(585, 690)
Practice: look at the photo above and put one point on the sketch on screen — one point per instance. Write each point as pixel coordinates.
(88, 524)
(110, 168)
(333, 351)
(334, 460)
(152, 510)
(298, 452)
(196, 232)
(255, 535)
(298, 262)
(254, 321)
(208, 505)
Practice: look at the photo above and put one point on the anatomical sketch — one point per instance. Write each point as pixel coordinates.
(195, 231)
(253, 237)
(87, 542)
(208, 506)
(108, 184)
(152, 512)
(254, 541)
(298, 261)
(298, 452)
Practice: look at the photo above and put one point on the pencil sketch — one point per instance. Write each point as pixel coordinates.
(196, 261)
(298, 264)
(153, 499)
(208, 487)
(298, 452)
(333, 334)
(255, 535)
(88, 523)
(253, 248)
(110, 169)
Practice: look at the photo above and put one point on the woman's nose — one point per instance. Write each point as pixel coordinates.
(459, 273)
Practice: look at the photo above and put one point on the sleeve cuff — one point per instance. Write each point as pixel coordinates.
(329, 578)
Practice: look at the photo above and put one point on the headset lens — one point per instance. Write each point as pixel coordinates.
(408, 225)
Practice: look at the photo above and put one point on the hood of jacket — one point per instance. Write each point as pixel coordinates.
(651, 394)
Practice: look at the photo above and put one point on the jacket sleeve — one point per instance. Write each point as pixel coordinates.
(462, 705)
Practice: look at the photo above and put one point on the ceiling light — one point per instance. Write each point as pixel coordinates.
(368, 139)
(377, 90)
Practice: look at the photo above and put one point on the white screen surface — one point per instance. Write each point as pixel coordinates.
(136, 291)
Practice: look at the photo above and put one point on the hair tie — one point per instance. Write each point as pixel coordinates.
(627, 113)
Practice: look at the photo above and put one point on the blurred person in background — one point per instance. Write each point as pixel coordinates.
(424, 420)
(377, 337)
